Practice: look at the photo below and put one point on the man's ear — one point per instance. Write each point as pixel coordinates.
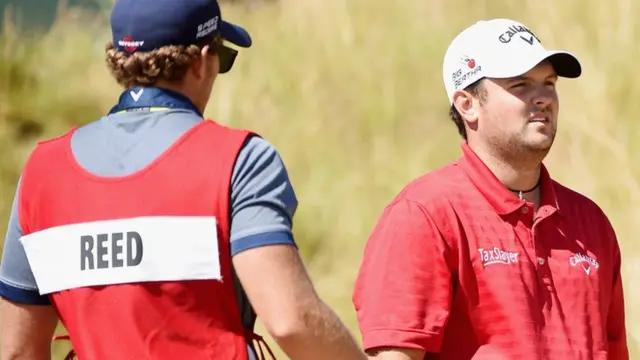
(463, 101)
(198, 67)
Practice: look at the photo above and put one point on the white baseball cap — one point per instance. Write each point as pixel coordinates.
(499, 48)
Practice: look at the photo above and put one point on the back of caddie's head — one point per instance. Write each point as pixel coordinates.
(158, 40)
(145, 25)
(499, 48)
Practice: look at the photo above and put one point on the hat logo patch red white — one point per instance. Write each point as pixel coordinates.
(466, 75)
(129, 44)
(471, 63)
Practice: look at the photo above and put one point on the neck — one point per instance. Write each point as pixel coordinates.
(517, 176)
(184, 90)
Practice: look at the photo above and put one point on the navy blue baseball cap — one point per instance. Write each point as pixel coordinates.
(145, 25)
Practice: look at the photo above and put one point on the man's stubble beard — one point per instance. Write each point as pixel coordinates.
(515, 150)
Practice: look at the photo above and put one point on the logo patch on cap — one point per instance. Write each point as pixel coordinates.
(514, 30)
(461, 77)
(208, 27)
(471, 63)
(129, 44)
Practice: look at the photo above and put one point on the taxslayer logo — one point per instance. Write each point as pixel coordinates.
(586, 262)
(129, 44)
(497, 256)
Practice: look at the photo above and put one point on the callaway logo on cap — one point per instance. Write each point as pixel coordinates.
(145, 25)
(499, 48)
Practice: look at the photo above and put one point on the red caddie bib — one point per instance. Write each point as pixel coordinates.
(138, 266)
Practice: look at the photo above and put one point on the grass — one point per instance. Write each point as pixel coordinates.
(351, 94)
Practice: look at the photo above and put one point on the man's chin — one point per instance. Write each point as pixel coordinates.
(542, 145)
(540, 140)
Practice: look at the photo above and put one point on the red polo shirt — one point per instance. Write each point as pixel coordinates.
(457, 265)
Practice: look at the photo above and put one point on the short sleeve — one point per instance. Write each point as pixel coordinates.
(263, 201)
(403, 291)
(616, 323)
(16, 279)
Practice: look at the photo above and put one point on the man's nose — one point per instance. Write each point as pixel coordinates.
(543, 97)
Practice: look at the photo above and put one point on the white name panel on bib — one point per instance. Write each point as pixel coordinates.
(162, 248)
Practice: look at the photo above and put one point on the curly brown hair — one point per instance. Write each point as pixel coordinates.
(169, 63)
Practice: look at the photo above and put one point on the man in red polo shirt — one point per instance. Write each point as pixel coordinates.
(156, 233)
(488, 257)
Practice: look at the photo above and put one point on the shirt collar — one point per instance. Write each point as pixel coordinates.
(499, 196)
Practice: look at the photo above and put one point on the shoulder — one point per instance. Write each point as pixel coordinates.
(256, 145)
(427, 204)
(263, 201)
(50, 142)
(260, 172)
(435, 190)
(585, 216)
(578, 205)
(38, 162)
(228, 131)
(58, 137)
(258, 157)
(47, 145)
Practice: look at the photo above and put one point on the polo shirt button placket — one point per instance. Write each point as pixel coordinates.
(544, 275)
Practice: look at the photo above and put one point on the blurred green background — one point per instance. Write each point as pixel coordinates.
(351, 94)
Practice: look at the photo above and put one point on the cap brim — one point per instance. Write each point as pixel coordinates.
(565, 64)
(235, 34)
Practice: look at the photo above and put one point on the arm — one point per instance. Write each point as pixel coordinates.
(616, 332)
(279, 288)
(26, 331)
(403, 291)
(27, 320)
(268, 266)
